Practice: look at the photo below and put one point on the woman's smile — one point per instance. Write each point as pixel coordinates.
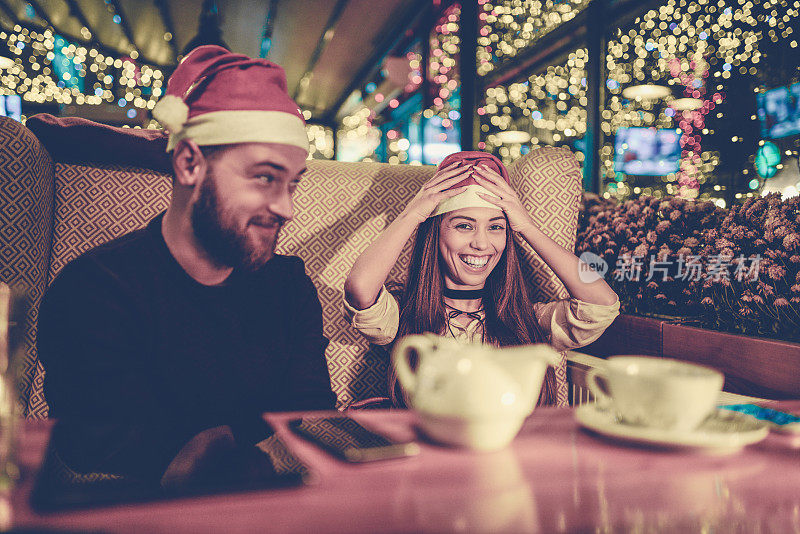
(477, 263)
(471, 242)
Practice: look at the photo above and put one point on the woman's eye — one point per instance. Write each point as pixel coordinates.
(499, 227)
(265, 179)
(463, 226)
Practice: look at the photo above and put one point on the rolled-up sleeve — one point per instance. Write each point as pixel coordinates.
(379, 322)
(572, 323)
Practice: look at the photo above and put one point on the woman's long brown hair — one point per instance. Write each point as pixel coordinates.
(509, 310)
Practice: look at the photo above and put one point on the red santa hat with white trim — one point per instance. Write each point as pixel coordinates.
(469, 198)
(216, 97)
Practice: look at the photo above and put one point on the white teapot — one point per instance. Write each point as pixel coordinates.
(471, 395)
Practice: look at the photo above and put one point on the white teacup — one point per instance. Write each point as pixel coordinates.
(471, 395)
(657, 392)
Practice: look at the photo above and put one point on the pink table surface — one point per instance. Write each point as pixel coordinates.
(555, 477)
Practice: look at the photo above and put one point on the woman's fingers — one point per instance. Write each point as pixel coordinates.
(450, 182)
(491, 187)
(488, 171)
(494, 200)
(444, 174)
(447, 193)
(488, 174)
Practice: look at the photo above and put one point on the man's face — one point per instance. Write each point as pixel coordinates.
(244, 200)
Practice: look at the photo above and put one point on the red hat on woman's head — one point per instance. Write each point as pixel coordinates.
(216, 97)
(470, 198)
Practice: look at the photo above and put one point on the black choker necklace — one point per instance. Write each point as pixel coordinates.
(463, 294)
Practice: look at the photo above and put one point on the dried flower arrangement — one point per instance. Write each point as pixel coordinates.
(769, 304)
(736, 270)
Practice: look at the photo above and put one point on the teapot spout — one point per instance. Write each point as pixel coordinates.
(528, 364)
(540, 352)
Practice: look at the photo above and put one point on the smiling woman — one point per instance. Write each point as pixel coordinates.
(465, 280)
(471, 241)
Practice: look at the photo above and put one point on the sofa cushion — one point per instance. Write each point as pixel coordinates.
(77, 140)
(95, 204)
(548, 180)
(341, 208)
(26, 224)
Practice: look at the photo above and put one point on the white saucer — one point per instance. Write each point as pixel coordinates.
(723, 432)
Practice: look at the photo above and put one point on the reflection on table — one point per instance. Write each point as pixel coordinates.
(555, 477)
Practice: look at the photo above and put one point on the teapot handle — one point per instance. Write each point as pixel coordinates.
(400, 359)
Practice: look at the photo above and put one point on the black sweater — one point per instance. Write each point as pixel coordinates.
(139, 357)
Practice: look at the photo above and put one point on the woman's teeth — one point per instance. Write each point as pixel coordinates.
(475, 261)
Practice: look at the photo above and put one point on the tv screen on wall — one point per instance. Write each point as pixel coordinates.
(11, 106)
(779, 111)
(647, 151)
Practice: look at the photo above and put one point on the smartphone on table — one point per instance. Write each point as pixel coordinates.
(776, 420)
(348, 440)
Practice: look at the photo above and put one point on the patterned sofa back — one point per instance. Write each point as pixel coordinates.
(51, 213)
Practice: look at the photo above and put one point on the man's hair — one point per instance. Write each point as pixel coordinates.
(211, 151)
(509, 310)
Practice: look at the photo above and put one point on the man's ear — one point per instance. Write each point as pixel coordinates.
(188, 163)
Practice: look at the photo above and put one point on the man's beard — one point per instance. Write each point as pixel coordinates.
(220, 238)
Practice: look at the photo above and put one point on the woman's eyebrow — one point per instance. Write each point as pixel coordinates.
(498, 218)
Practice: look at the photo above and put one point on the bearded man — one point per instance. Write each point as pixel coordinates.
(192, 322)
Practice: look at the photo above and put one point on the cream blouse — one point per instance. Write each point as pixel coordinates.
(568, 323)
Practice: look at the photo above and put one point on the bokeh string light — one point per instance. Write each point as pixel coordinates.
(692, 47)
(551, 107)
(358, 137)
(507, 28)
(443, 74)
(320, 141)
(689, 45)
(49, 69)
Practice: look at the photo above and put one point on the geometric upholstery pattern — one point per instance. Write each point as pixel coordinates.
(549, 183)
(26, 225)
(339, 210)
(94, 205)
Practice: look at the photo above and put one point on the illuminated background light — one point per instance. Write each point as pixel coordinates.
(646, 92)
(513, 136)
(682, 104)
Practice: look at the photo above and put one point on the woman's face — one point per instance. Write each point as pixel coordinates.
(471, 242)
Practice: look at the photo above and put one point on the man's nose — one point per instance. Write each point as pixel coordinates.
(282, 205)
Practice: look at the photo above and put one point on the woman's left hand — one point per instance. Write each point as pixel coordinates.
(504, 197)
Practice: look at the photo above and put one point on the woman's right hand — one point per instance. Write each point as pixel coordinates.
(437, 189)
(372, 267)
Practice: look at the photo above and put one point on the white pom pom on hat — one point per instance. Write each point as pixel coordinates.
(172, 113)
